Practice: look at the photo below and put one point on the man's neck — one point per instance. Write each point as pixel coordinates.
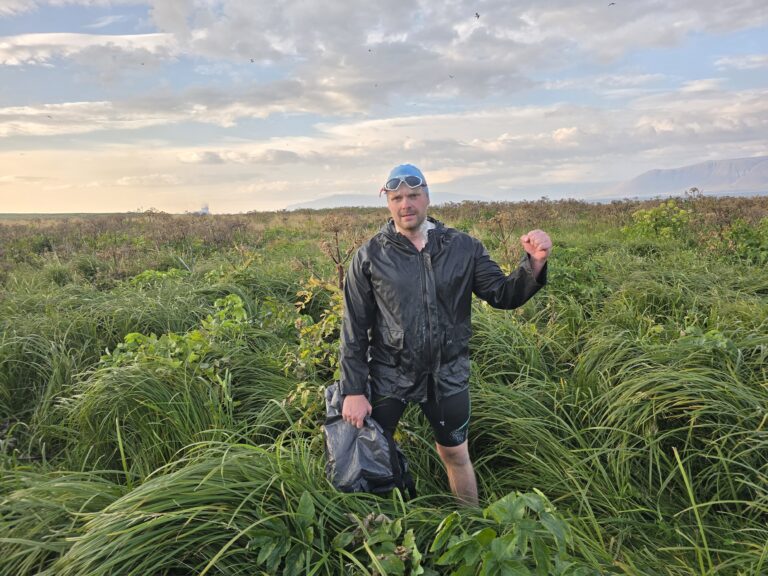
(417, 236)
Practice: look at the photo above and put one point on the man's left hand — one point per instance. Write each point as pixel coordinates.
(537, 244)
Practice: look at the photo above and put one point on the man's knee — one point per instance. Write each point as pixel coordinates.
(455, 455)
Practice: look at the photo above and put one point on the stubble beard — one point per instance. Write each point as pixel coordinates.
(415, 230)
(412, 226)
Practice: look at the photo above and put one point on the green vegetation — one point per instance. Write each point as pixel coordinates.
(161, 398)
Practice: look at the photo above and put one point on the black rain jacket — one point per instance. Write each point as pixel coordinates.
(407, 313)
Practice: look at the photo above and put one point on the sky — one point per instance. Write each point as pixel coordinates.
(122, 105)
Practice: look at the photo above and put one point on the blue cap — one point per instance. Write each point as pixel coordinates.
(404, 170)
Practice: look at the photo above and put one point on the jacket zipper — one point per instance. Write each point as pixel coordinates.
(423, 271)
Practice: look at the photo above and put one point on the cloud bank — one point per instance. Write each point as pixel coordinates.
(255, 105)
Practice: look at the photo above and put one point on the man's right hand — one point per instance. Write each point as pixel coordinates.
(356, 407)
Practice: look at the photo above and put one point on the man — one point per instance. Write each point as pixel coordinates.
(405, 334)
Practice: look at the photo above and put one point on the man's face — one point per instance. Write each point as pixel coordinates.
(408, 207)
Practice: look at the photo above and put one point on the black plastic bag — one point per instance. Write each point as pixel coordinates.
(363, 459)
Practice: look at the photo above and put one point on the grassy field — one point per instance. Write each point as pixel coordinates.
(161, 403)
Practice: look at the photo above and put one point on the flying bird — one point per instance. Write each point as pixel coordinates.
(477, 16)
(612, 4)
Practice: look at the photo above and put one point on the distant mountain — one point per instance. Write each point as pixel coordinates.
(738, 176)
(374, 201)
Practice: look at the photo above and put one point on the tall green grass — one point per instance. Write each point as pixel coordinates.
(631, 392)
(40, 513)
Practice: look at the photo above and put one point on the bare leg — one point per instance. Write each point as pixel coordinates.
(461, 474)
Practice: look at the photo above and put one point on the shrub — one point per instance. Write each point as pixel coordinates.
(667, 220)
(59, 274)
(89, 266)
(523, 535)
(750, 243)
(318, 350)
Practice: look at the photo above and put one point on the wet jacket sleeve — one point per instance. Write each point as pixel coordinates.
(501, 291)
(359, 315)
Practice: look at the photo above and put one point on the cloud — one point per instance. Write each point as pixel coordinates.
(394, 82)
(702, 109)
(8, 179)
(74, 118)
(201, 157)
(534, 31)
(480, 152)
(749, 62)
(358, 58)
(702, 85)
(36, 49)
(607, 32)
(611, 86)
(212, 107)
(207, 106)
(338, 57)
(247, 155)
(150, 180)
(605, 81)
(106, 21)
(518, 145)
(707, 119)
(15, 7)
(568, 136)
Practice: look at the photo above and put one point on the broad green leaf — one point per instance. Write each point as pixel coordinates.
(294, 561)
(257, 542)
(462, 551)
(396, 528)
(541, 555)
(508, 509)
(557, 527)
(445, 531)
(492, 567)
(503, 548)
(267, 548)
(391, 564)
(305, 514)
(409, 543)
(277, 554)
(342, 540)
(381, 536)
(535, 502)
(485, 536)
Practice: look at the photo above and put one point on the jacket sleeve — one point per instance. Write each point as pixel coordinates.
(501, 291)
(359, 315)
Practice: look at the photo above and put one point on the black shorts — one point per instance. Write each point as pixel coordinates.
(449, 417)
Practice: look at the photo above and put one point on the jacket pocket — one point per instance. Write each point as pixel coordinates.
(454, 356)
(388, 348)
(456, 341)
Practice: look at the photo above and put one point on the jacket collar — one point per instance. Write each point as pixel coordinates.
(391, 234)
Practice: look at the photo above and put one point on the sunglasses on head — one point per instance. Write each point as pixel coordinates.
(410, 181)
